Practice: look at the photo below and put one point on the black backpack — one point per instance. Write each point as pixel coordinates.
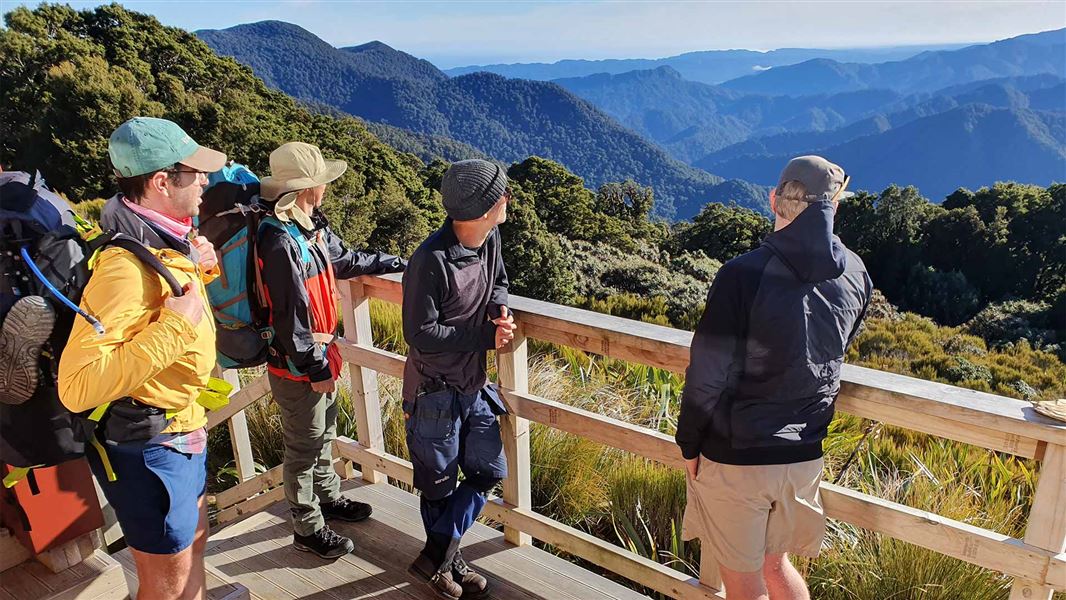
(45, 251)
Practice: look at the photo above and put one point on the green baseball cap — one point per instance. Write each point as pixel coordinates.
(146, 144)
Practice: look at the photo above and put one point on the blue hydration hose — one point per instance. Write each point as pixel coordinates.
(51, 288)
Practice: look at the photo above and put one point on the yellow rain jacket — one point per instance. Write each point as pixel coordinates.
(149, 353)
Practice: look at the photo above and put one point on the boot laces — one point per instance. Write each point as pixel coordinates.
(459, 565)
(328, 536)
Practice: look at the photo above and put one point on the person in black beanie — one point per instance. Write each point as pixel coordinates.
(454, 312)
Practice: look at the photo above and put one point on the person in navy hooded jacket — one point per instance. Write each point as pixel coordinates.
(760, 388)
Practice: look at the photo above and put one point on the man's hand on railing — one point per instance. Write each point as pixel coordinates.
(505, 328)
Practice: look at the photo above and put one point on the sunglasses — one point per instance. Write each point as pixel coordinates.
(176, 170)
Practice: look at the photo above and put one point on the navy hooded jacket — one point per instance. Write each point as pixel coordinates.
(767, 353)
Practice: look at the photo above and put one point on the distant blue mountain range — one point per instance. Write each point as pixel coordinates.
(710, 66)
(732, 131)
(969, 146)
(1033, 54)
(939, 119)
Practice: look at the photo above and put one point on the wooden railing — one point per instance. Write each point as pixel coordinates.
(1037, 563)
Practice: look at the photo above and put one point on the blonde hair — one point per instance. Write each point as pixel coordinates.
(791, 201)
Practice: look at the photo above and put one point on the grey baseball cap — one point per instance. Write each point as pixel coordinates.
(823, 179)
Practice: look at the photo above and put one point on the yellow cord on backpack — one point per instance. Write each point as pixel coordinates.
(17, 474)
(104, 460)
(95, 416)
(98, 412)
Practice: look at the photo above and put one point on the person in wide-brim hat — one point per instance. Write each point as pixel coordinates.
(301, 261)
(295, 167)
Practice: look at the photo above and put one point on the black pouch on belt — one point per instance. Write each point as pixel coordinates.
(128, 420)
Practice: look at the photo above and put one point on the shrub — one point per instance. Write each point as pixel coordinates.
(90, 209)
(916, 346)
(603, 272)
(1012, 321)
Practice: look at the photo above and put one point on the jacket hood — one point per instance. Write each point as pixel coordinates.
(808, 247)
(117, 217)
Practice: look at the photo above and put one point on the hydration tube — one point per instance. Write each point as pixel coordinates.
(51, 288)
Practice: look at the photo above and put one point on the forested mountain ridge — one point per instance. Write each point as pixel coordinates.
(734, 134)
(693, 119)
(1042, 93)
(970, 146)
(506, 119)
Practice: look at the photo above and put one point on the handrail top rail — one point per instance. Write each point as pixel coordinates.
(668, 348)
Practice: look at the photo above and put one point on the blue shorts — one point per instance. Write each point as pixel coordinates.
(155, 494)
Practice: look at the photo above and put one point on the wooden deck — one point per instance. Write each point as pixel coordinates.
(258, 554)
(99, 577)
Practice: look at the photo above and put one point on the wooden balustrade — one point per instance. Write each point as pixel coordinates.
(1038, 563)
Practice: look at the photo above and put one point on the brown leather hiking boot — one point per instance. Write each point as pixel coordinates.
(441, 582)
(474, 584)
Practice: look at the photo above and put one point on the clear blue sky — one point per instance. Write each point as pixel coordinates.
(461, 32)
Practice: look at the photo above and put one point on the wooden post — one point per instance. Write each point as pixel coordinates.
(238, 434)
(512, 364)
(1046, 527)
(365, 399)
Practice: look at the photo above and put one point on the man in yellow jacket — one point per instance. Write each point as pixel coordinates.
(155, 357)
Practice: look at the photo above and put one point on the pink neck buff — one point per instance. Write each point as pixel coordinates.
(179, 228)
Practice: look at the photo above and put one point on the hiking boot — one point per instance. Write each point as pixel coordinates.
(25, 331)
(440, 581)
(474, 584)
(346, 509)
(325, 542)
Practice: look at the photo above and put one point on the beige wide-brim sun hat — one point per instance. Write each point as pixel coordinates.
(297, 166)
(1056, 409)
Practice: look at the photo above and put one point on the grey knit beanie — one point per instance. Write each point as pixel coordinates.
(471, 187)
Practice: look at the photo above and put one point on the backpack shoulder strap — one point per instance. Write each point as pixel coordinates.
(293, 231)
(147, 257)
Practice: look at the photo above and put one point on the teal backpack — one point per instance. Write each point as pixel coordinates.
(230, 216)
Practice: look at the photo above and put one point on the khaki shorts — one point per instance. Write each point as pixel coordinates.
(742, 513)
